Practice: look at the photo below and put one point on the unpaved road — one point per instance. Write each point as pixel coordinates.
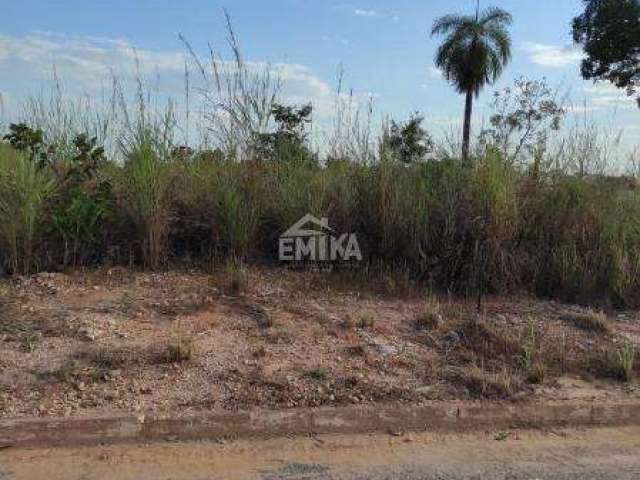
(602, 454)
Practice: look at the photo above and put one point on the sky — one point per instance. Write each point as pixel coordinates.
(383, 47)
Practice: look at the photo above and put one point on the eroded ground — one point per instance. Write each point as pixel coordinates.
(117, 341)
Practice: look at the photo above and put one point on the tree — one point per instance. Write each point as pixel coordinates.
(609, 32)
(522, 117)
(289, 141)
(409, 141)
(474, 53)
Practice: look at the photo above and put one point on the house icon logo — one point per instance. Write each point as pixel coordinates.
(311, 238)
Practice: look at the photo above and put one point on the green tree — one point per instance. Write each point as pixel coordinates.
(609, 32)
(474, 53)
(289, 141)
(409, 141)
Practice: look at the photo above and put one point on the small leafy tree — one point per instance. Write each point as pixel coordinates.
(84, 199)
(407, 142)
(523, 116)
(30, 140)
(289, 141)
(609, 32)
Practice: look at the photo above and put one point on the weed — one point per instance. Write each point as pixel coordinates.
(317, 373)
(623, 363)
(430, 318)
(590, 321)
(30, 340)
(237, 277)
(278, 336)
(65, 372)
(347, 323)
(181, 346)
(366, 320)
(483, 384)
(358, 350)
(260, 352)
(536, 372)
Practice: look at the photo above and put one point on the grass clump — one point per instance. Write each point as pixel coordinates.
(590, 321)
(237, 277)
(483, 384)
(430, 318)
(144, 191)
(366, 320)
(25, 186)
(622, 363)
(318, 373)
(536, 372)
(181, 346)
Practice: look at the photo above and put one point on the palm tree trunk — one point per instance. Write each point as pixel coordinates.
(466, 133)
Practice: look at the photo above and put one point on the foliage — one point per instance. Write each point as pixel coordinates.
(408, 142)
(523, 117)
(289, 141)
(609, 32)
(26, 139)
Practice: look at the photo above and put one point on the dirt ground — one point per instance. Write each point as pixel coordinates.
(120, 341)
(603, 454)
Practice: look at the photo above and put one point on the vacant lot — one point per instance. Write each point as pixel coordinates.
(116, 340)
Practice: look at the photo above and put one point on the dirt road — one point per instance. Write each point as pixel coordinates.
(600, 454)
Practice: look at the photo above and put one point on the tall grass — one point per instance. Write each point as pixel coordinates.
(144, 189)
(24, 189)
(563, 228)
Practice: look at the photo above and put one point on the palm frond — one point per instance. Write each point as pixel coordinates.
(495, 15)
(446, 24)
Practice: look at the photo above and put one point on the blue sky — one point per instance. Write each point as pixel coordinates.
(383, 46)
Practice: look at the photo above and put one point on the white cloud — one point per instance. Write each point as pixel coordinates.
(365, 13)
(85, 65)
(605, 95)
(552, 56)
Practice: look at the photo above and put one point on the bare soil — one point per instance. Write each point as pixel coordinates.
(119, 341)
(559, 454)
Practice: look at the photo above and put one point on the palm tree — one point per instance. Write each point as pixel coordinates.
(474, 53)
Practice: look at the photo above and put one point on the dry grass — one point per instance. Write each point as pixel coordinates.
(536, 372)
(181, 346)
(590, 321)
(366, 320)
(431, 317)
(483, 384)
